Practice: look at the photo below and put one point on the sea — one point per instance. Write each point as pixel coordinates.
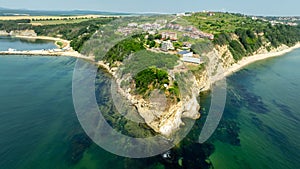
(39, 129)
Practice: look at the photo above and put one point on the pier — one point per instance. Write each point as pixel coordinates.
(49, 52)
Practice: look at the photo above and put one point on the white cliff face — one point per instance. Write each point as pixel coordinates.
(164, 120)
(167, 121)
(3, 33)
(23, 33)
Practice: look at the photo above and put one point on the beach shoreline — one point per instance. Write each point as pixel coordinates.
(249, 60)
(66, 43)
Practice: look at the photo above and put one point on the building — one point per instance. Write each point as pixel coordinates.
(211, 14)
(185, 53)
(180, 14)
(149, 26)
(152, 32)
(169, 35)
(133, 24)
(183, 14)
(192, 60)
(167, 45)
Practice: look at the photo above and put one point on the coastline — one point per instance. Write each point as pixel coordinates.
(66, 43)
(170, 123)
(71, 53)
(251, 59)
(228, 71)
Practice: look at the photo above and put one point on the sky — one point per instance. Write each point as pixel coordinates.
(250, 7)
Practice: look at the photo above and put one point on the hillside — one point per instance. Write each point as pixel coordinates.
(243, 35)
(160, 64)
(219, 40)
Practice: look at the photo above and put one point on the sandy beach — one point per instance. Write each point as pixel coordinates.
(251, 59)
(66, 43)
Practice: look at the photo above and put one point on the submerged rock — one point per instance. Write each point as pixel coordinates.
(78, 145)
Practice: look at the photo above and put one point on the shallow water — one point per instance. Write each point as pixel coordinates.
(24, 44)
(263, 99)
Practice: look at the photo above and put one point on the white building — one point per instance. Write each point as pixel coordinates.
(167, 45)
(133, 24)
(191, 60)
(185, 53)
(169, 35)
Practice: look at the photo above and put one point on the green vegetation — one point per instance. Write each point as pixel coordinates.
(250, 40)
(236, 49)
(174, 92)
(177, 45)
(123, 49)
(149, 79)
(153, 78)
(149, 71)
(10, 25)
(223, 22)
(243, 35)
(77, 33)
(144, 59)
(282, 34)
(60, 44)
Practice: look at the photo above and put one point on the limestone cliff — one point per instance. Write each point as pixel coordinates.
(163, 117)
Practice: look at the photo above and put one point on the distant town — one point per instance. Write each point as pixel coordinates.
(169, 37)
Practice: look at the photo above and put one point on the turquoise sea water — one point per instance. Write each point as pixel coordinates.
(263, 99)
(24, 44)
(39, 129)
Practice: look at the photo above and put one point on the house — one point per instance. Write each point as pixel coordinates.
(167, 45)
(211, 14)
(162, 21)
(152, 32)
(169, 35)
(185, 53)
(149, 26)
(133, 24)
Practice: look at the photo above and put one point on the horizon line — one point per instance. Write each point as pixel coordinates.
(149, 12)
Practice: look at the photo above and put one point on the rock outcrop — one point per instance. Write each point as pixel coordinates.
(23, 33)
(4, 33)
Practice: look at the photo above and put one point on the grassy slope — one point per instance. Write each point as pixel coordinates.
(223, 22)
(244, 35)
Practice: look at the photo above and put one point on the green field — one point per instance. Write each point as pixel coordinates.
(223, 22)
